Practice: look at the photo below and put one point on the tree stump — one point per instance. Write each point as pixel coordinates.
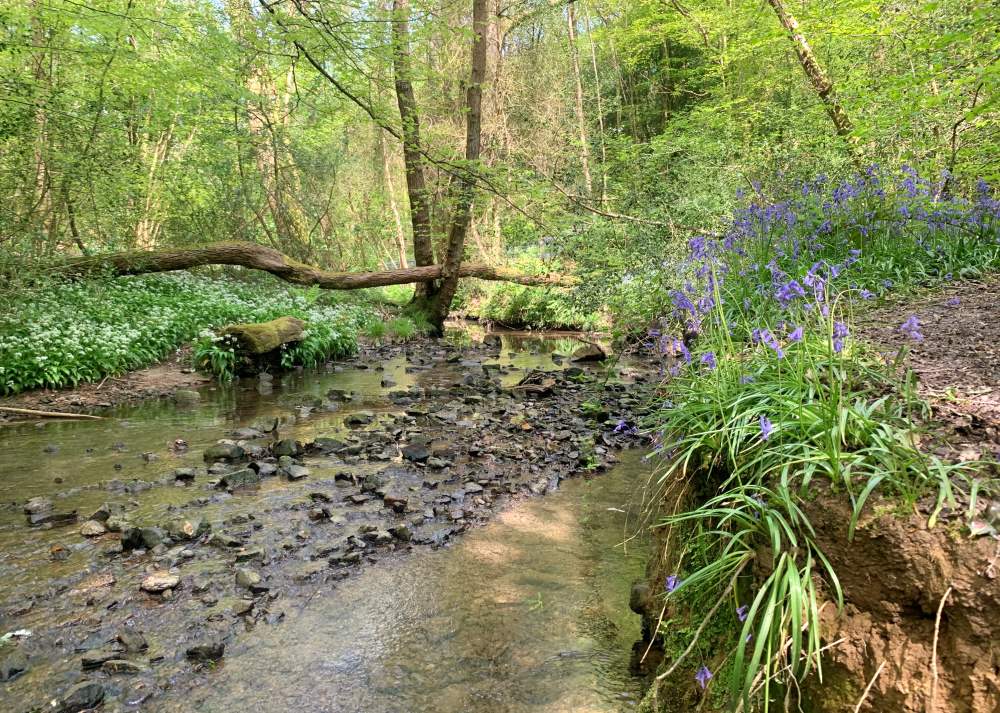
(258, 345)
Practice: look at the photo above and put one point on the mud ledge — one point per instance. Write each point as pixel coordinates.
(156, 381)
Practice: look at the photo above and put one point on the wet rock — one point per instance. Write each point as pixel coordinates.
(248, 554)
(317, 514)
(327, 445)
(228, 452)
(142, 538)
(185, 474)
(132, 640)
(265, 469)
(338, 395)
(116, 523)
(224, 540)
(92, 528)
(401, 532)
(37, 505)
(188, 528)
(265, 425)
(186, 396)
(388, 383)
(54, 519)
(81, 697)
(94, 659)
(249, 579)
(286, 447)
(345, 558)
(242, 478)
(212, 650)
(247, 434)
(112, 548)
(158, 582)
(359, 418)
(12, 662)
(437, 463)
(374, 482)
(295, 472)
(106, 511)
(416, 453)
(122, 666)
(395, 500)
(242, 607)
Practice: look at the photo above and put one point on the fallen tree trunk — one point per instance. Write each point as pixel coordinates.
(259, 257)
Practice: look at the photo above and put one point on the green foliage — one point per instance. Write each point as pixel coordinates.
(69, 332)
(537, 307)
(776, 399)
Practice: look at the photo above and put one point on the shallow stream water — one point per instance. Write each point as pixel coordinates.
(528, 613)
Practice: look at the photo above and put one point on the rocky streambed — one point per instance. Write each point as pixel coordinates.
(139, 553)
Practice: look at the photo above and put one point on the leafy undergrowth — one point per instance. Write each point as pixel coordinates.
(524, 306)
(66, 333)
(771, 397)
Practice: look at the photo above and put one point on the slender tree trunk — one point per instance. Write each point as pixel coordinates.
(817, 77)
(581, 119)
(462, 215)
(390, 190)
(416, 185)
(600, 114)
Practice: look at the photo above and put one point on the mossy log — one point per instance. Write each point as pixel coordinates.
(264, 337)
(259, 257)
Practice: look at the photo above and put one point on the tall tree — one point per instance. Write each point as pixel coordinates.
(581, 118)
(416, 183)
(462, 213)
(819, 79)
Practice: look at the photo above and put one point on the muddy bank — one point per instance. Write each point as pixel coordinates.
(158, 381)
(156, 549)
(894, 576)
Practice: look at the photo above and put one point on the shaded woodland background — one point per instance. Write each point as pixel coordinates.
(611, 131)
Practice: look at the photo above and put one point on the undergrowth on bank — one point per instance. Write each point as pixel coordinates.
(69, 332)
(771, 396)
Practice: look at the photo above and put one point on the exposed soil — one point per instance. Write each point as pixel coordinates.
(895, 575)
(157, 381)
(957, 362)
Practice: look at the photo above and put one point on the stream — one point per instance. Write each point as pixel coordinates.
(355, 605)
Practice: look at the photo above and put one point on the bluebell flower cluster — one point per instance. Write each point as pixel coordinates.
(826, 246)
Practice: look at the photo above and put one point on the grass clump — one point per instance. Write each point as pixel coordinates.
(771, 396)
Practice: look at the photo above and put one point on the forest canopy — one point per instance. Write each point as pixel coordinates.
(611, 132)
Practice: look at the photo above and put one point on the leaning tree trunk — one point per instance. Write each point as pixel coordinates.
(259, 257)
(462, 215)
(821, 83)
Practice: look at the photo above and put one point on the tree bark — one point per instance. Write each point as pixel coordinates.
(581, 118)
(416, 184)
(462, 215)
(817, 77)
(260, 257)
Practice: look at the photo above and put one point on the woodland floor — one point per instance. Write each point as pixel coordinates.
(957, 362)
